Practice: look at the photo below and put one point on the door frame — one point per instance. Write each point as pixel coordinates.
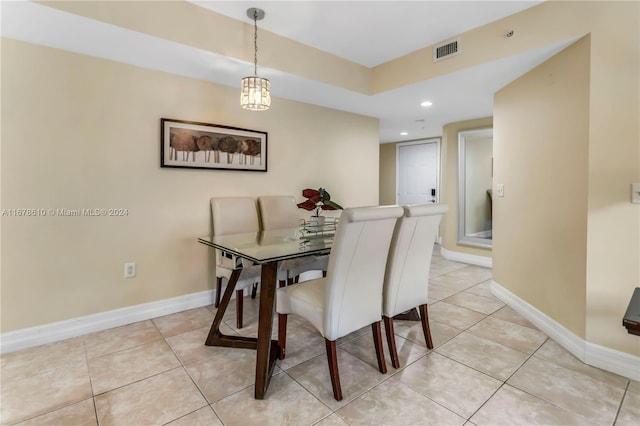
(437, 141)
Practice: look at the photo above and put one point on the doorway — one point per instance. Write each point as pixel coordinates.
(417, 172)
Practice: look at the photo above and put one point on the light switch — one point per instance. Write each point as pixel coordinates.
(635, 193)
(500, 190)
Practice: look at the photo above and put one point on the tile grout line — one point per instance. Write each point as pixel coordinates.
(390, 375)
(624, 395)
(543, 399)
(182, 365)
(93, 396)
(430, 351)
(504, 382)
(427, 396)
(473, 368)
(311, 393)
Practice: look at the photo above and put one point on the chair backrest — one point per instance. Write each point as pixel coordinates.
(233, 215)
(355, 273)
(278, 212)
(407, 275)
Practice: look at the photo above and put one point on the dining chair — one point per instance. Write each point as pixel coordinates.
(406, 278)
(350, 296)
(233, 215)
(281, 212)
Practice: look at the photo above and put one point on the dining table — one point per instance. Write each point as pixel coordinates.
(268, 249)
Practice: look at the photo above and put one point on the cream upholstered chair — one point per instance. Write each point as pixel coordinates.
(280, 212)
(407, 276)
(350, 297)
(232, 215)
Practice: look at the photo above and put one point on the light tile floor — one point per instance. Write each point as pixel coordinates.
(489, 366)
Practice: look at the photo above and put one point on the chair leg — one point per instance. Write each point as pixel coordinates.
(332, 358)
(377, 341)
(282, 334)
(239, 296)
(218, 291)
(424, 317)
(391, 341)
(254, 290)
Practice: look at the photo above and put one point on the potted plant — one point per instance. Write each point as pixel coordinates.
(316, 201)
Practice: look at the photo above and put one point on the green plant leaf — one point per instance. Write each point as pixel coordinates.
(334, 206)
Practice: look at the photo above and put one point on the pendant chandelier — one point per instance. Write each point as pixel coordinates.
(255, 92)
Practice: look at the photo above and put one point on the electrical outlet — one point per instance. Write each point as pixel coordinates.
(129, 270)
(500, 190)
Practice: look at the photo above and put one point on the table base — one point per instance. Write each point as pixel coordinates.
(267, 350)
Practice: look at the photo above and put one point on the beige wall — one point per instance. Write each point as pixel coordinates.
(449, 189)
(613, 227)
(388, 173)
(567, 148)
(590, 302)
(82, 132)
(541, 139)
(86, 137)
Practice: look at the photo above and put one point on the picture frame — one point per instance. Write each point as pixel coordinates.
(196, 145)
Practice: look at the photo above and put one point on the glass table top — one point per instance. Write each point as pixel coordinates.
(274, 245)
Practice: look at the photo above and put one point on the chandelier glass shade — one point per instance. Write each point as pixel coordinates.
(255, 92)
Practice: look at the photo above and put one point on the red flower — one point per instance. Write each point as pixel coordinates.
(307, 205)
(317, 200)
(312, 195)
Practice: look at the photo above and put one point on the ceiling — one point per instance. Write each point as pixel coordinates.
(365, 32)
(370, 32)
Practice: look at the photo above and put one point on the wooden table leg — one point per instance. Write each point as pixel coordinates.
(267, 350)
(215, 337)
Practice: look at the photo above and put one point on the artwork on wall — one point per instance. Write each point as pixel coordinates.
(194, 145)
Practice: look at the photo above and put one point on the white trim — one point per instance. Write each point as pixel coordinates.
(621, 363)
(546, 324)
(482, 234)
(463, 237)
(602, 357)
(53, 332)
(473, 259)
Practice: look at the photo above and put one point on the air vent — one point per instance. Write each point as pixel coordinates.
(446, 49)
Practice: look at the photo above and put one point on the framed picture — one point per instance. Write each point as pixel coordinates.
(194, 145)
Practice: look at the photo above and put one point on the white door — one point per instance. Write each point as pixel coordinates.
(417, 172)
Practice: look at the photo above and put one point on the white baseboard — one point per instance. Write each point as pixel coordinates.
(53, 332)
(472, 259)
(602, 357)
(621, 363)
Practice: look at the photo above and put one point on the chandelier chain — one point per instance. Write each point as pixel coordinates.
(255, 42)
(255, 92)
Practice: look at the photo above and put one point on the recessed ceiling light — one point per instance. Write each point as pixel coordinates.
(404, 133)
(426, 103)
